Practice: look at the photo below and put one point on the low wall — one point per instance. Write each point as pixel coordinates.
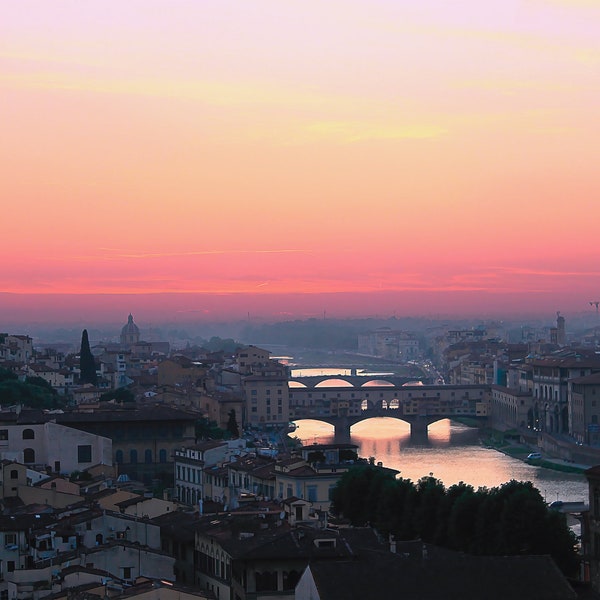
(586, 455)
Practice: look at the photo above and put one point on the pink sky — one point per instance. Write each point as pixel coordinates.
(285, 158)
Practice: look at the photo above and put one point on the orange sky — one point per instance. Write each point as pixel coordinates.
(287, 158)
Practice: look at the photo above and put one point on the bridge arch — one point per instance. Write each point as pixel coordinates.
(357, 381)
(378, 382)
(342, 426)
(334, 382)
(296, 384)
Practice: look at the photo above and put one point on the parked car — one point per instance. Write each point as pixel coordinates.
(534, 456)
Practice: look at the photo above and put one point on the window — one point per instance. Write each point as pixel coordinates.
(126, 572)
(290, 579)
(162, 456)
(10, 538)
(84, 453)
(148, 457)
(266, 582)
(119, 457)
(133, 456)
(28, 434)
(3, 434)
(10, 566)
(14, 474)
(29, 455)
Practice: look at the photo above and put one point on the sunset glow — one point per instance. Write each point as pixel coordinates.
(290, 158)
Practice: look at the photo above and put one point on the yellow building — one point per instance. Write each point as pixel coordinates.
(267, 395)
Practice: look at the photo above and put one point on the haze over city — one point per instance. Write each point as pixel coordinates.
(297, 159)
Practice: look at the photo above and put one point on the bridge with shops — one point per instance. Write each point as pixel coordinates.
(361, 398)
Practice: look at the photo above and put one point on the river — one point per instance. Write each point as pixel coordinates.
(453, 454)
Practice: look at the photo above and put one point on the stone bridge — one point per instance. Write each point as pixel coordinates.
(313, 381)
(418, 405)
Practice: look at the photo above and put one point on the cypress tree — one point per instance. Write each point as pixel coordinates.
(232, 425)
(87, 364)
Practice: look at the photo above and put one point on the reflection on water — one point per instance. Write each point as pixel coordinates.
(453, 454)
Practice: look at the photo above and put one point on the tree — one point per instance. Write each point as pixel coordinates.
(208, 430)
(5, 374)
(316, 456)
(351, 496)
(33, 393)
(121, 395)
(511, 519)
(232, 426)
(87, 364)
(431, 492)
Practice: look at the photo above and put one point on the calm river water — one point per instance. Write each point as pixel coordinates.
(454, 454)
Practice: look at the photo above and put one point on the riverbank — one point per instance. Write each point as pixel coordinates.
(513, 444)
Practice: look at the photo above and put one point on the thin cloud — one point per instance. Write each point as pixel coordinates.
(354, 131)
(546, 272)
(120, 254)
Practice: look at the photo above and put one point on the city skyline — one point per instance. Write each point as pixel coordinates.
(298, 159)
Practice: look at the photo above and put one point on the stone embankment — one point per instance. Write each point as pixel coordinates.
(557, 454)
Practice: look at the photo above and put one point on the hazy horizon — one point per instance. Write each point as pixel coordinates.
(58, 309)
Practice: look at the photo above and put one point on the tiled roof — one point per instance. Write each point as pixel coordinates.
(427, 575)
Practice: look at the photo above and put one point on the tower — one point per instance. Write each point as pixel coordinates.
(561, 336)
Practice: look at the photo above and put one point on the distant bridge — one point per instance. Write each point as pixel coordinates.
(418, 405)
(312, 381)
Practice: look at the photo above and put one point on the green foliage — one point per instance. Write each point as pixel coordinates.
(208, 430)
(35, 392)
(352, 495)
(80, 476)
(87, 364)
(347, 454)
(217, 344)
(316, 456)
(40, 382)
(121, 395)
(510, 519)
(6, 374)
(232, 426)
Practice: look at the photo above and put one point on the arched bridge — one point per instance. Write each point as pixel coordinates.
(356, 381)
(418, 405)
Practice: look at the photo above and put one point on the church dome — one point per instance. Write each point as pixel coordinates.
(130, 334)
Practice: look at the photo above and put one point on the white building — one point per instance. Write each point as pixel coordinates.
(189, 464)
(61, 448)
